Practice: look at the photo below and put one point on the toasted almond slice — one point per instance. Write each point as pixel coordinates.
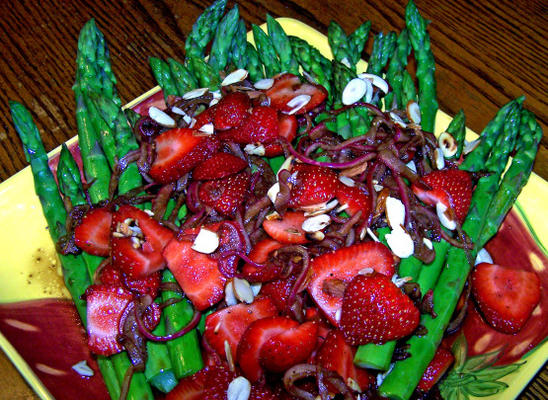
(400, 242)
(353, 91)
(444, 219)
(83, 368)
(195, 93)
(256, 288)
(242, 290)
(317, 209)
(346, 62)
(318, 236)
(213, 102)
(347, 181)
(217, 94)
(298, 102)
(273, 216)
(469, 146)
(206, 241)
(428, 243)
(376, 80)
(352, 384)
(338, 314)
(207, 128)
(238, 389)
(397, 119)
(161, 117)
(256, 149)
(342, 208)
(399, 282)
(230, 297)
(413, 112)
(448, 144)
(316, 223)
(273, 192)
(234, 77)
(264, 84)
(372, 234)
(440, 160)
(395, 212)
(229, 357)
(483, 257)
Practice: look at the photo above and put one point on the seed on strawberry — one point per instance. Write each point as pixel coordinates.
(226, 194)
(218, 166)
(313, 185)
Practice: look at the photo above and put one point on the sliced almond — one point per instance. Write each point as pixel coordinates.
(234, 77)
(440, 160)
(195, 93)
(444, 218)
(317, 209)
(316, 223)
(230, 297)
(317, 236)
(206, 241)
(395, 212)
(378, 187)
(448, 144)
(399, 282)
(256, 149)
(352, 384)
(397, 119)
(470, 146)
(161, 117)
(83, 368)
(287, 164)
(342, 208)
(366, 271)
(150, 213)
(242, 290)
(346, 62)
(238, 389)
(273, 192)
(187, 118)
(338, 314)
(229, 357)
(353, 91)
(428, 243)
(256, 288)
(413, 112)
(372, 235)
(207, 128)
(347, 181)
(298, 102)
(273, 216)
(213, 102)
(483, 257)
(400, 242)
(264, 84)
(217, 94)
(412, 166)
(376, 80)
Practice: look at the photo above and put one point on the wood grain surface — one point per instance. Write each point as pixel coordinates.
(487, 52)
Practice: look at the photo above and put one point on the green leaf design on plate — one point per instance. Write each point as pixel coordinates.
(475, 376)
(521, 212)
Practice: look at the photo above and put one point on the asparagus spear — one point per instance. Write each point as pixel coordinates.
(357, 39)
(162, 74)
(254, 65)
(340, 46)
(102, 130)
(457, 129)
(282, 46)
(394, 74)
(426, 65)
(207, 76)
(383, 48)
(204, 29)
(218, 56)
(409, 92)
(182, 77)
(267, 52)
(405, 375)
(238, 48)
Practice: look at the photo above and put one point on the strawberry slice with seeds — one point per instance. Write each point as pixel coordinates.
(205, 117)
(225, 195)
(289, 348)
(253, 339)
(229, 324)
(355, 198)
(288, 229)
(374, 310)
(93, 233)
(260, 253)
(218, 166)
(451, 187)
(261, 126)
(231, 110)
(178, 151)
(287, 129)
(279, 291)
(147, 285)
(190, 387)
(105, 305)
(331, 272)
(288, 86)
(505, 296)
(313, 185)
(441, 362)
(196, 273)
(337, 355)
(133, 259)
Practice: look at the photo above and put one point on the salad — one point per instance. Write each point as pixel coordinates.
(282, 226)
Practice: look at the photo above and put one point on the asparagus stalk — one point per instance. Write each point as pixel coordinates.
(238, 53)
(254, 65)
(457, 129)
(357, 40)
(204, 29)
(281, 44)
(383, 48)
(409, 92)
(267, 52)
(102, 130)
(207, 76)
(182, 77)
(162, 74)
(218, 56)
(340, 46)
(426, 65)
(394, 74)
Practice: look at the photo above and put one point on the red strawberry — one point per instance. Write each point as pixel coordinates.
(337, 355)
(288, 229)
(289, 348)
(178, 151)
(279, 291)
(260, 253)
(229, 324)
(505, 296)
(218, 166)
(147, 285)
(452, 187)
(190, 387)
(231, 110)
(355, 198)
(105, 305)
(93, 233)
(205, 117)
(226, 194)
(218, 378)
(136, 262)
(288, 86)
(253, 339)
(375, 310)
(196, 273)
(313, 185)
(331, 272)
(440, 363)
(261, 126)
(287, 125)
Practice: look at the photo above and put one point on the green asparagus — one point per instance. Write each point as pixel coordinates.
(267, 52)
(162, 74)
(394, 73)
(203, 29)
(281, 44)
(457, 129)
(218, 56)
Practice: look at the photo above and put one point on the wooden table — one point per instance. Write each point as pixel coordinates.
(487, 53)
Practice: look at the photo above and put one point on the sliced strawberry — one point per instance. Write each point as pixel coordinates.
(331, 272)
(279, 291)
(374, 310)
(289, 348)
(231, 110)
(287, 125)
(260, 253)
(262, 392)
(440, 363)
(205, 117)
(229, 324)
(136, 262)
(225, 195)
(261, 126)
(505, 296)
(451, 187)
(288, 229)
(105, 305)
(147, 285)
(178, 151)
(253, 339)
(218, 166)
(196, 273)
(93, 233)
(355, 198)
(217, 380)
(288, 86)
(190, 387)
(337, 355)
(313, 185)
